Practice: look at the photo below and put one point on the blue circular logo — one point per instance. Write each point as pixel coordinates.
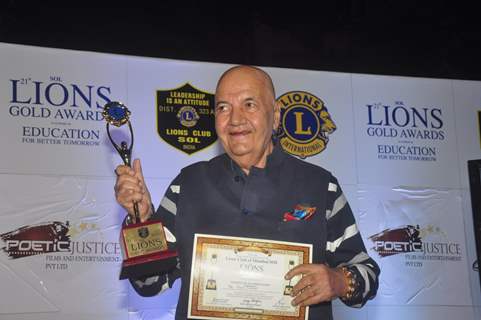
(301, 124)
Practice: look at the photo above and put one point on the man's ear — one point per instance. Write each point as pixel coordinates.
(277, 115)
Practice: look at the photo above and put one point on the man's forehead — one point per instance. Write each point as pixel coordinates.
(241, 78)
(241, 95)
(244, 80)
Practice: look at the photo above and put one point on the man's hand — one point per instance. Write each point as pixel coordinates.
(130, 187)
(319, 283)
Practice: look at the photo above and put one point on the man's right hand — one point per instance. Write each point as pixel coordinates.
(130, 187)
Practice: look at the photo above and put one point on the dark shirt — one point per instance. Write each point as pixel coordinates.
(217, 197)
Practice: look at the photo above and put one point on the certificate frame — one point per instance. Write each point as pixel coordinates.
(213, 252)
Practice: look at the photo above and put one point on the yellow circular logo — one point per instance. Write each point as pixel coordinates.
(305, 124)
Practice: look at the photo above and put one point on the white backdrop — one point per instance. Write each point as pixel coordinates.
(399, 150)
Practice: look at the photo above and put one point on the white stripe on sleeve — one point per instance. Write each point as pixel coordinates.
(348, 233)
(338, 205)
(169, 205)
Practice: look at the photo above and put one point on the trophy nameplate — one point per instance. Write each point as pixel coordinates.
(144, 245)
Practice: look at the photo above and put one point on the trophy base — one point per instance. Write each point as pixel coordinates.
(148, 265)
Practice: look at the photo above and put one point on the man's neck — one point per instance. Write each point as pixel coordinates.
(247, 164)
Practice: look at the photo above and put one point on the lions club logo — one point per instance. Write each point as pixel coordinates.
(305, 124)
(186, 118)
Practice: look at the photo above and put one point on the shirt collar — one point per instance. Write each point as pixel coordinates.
(274, 159)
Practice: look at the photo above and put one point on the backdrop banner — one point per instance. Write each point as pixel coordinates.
(397, 145)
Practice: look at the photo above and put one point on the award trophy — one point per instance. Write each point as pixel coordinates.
(144, 246)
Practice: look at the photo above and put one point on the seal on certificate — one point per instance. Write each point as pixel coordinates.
(289, 287)
(211, 283)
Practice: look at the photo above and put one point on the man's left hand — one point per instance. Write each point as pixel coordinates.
(319, 283)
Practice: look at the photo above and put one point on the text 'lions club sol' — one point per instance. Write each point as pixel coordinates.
(186, 118)
(305, 124)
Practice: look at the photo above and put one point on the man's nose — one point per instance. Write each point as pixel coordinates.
(237, 116)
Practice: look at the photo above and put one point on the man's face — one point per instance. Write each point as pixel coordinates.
(245, 116)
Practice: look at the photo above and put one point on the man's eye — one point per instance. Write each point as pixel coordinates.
(250, 105)
(221, 108)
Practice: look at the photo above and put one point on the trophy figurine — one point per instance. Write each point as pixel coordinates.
(144, 246)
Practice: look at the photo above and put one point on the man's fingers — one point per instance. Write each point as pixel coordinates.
(297, 270)
(306, 297)
(128, 183)
(313, 287)
(130, 188)
(127, 196)
(308, 300)
(124, 170)
(138, 170)
(125, 178)
(126, 188)
(302, 284)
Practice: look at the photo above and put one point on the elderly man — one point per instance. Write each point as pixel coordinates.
(246, 191)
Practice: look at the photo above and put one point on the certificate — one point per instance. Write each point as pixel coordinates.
(243, 278)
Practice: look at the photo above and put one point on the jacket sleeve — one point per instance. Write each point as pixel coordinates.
(345, 247)
(155, 284)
